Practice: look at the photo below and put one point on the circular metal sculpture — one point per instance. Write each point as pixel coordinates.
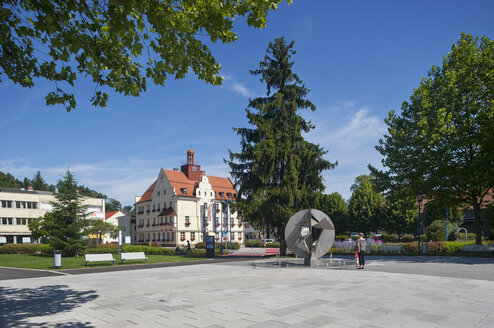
(309, 233)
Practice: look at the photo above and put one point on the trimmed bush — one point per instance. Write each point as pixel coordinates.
(94, 250)
(217, 245)
(42, 249)
(254, 243)
(115, 246)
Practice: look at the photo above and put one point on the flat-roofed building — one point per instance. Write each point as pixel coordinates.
(187, 205)
(18, 207)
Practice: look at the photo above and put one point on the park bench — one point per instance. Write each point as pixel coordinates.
(133, 256)
(99, 258)
(391, 248)
(478, 248)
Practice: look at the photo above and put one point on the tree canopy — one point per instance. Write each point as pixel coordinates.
(442, 143)
(365, 204)
(277, 171)
(117, 44)
(63, 227)
(336, 208)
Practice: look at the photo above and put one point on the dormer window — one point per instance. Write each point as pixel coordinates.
(184, 191)
(229, 195)
(222, 194)
(198, 193)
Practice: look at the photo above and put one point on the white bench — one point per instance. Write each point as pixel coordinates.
(478, 248)
(390, 248)
(99, 257)
(133, 256)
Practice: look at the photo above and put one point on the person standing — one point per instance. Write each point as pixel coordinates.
(189, 251)
(361, 250)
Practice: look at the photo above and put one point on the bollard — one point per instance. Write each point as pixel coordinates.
(57, 259)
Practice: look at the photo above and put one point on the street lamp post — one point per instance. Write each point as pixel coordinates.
(419, 200)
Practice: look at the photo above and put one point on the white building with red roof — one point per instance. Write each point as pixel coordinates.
(187, 205)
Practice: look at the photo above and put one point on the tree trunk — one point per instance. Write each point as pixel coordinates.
(282, 240)
(478, 228)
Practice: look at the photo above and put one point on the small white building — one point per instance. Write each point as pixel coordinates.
(112, 218)
(18, 207)
(186, 205)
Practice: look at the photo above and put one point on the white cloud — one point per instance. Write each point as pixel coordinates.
(350, 137)
(241, 89)
(231, 83)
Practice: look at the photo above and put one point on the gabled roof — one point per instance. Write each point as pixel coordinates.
(110, 214)
(223, 185)
(168, 211)
(179, 181)
(147, 195)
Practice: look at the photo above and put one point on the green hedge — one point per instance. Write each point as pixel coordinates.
(42, 249)
(217, 245)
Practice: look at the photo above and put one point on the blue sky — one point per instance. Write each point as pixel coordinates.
(360, 59)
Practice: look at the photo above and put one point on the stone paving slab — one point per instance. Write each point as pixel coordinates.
(238, 294)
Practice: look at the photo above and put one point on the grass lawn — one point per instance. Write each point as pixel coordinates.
(46, 262)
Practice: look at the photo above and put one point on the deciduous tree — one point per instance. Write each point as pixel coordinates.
(117, 44)
(100, 228)
(442, 142)
(365, 205)
(336, 208)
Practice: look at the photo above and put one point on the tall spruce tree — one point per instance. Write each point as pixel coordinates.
(63, 227)
(38, 182)
(277, 171)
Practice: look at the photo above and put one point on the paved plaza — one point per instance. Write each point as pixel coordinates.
(417, 292)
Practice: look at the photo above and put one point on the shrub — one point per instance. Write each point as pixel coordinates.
(272, 245)
(410, 247)
(200, 245)
(115, 246)
(43, 249)
(436, 231)
(217, 245)
(341, 237)
(461, 236)
(407, 238)
(435, 247)
(386, 238)
(454, 246)
(97, 250)
(254, 243)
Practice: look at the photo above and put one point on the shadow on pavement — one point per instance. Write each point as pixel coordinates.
(19, 304)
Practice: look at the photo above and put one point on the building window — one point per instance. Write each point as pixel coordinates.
(184, 191)
(154, 207)
(211, 194)
(187, 219)
(158, 193)
(193, 236)
(154, 236)
(149, 236)
(170, 204)
(21, 221)
(232, 235)
(158, 206)
(154, 222)
(6, 221)
(164, 191)
(198, 193)
(6, 203)
(161, 220)
(229, 195)
(182, 236)
(166, 219)
(171, 219)
(147, 225)
(173, 236)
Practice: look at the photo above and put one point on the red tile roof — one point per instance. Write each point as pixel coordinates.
(179, 181)
(147, 195)
(223, 185)
(110, 214)
(168, 211)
